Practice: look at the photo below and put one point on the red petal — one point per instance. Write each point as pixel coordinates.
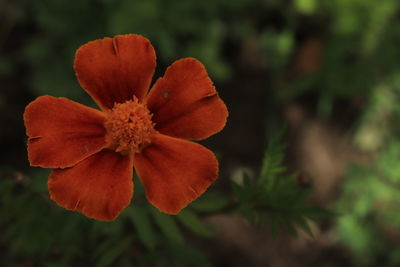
(185, 103)
(100, 186)
(115, 69)
(174, 172)
(62, 132)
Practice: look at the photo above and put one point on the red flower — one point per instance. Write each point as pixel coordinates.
(93, 152)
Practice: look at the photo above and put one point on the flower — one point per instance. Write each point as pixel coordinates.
(93, 153)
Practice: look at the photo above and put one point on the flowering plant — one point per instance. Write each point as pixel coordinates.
(93, 153)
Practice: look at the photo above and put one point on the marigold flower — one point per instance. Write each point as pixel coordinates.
(93, 153)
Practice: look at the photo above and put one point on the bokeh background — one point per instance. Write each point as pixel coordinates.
(313, 89)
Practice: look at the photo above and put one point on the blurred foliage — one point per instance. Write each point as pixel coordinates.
(277, 197)
(38, 231)
(328, 49)
(371, 194)
(369, 202)
(357, 45)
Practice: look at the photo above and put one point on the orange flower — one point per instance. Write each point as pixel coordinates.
(93, 152)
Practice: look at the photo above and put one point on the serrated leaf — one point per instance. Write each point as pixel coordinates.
(168, 226)
(248, 193)
(272, 162)
(143, 225)
(246, 212)
(194, 223)
(237, 189)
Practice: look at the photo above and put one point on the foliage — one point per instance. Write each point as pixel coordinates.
(353, 57)
(354, 35)
(371, 194)
(36, 230)
(276, 196)
(370, 201)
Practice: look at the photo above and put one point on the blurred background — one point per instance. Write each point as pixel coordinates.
(309, 158)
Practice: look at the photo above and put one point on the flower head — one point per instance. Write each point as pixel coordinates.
(93, 152)
(129, 126)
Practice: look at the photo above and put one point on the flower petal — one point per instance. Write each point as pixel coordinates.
(174, 172)
(112, 70)
(185, 103)
(62, 132)
(100, 186)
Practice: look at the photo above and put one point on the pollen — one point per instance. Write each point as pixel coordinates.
(129, 127)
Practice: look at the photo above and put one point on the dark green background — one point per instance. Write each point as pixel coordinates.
(325, 69)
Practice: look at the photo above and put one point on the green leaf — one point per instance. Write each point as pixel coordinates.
(272, 162)
(143, 225)
(246, 191)
(303, 196)
(114, 252)
(237, 189)
(210, 202)
(246, 212)
(194, 223)
(312, 212)
(302, 222)
(168, 226)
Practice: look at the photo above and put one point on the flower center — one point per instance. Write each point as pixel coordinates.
(129, 127)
